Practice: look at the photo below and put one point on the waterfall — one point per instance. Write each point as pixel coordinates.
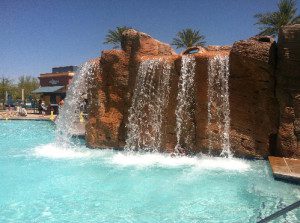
(218, 103)
(68, 118)
(150, 98)
(185, 128)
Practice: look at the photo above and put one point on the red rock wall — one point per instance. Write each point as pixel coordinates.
(254, 109)
(201, 103)
(106, 126)
(265, 108)
(112, 87)
(288, 91)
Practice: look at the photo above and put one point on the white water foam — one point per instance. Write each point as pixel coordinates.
(64, 151)
(54, 151)
(138, 159)
(167, 161)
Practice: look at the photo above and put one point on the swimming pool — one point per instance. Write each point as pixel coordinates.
(45, 181)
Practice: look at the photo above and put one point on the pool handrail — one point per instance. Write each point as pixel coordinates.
(280, 212)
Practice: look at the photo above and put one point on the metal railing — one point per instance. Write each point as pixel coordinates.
(280, 212)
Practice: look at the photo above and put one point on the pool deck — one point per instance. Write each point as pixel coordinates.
(78, 131)
(285, 168)
(28, 117)
(5, 115)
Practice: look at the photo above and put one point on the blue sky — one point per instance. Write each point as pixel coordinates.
(37, 35)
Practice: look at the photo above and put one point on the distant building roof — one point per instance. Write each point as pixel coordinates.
(60, 76)
(68, 73)
(50, 89)
(64, 69)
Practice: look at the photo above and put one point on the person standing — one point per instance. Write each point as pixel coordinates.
(40, 109)
(44, 108)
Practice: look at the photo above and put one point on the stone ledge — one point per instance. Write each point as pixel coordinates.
(285, 168)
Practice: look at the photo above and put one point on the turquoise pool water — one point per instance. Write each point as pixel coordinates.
(44, 181)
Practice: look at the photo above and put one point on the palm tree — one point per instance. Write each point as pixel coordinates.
(271, 22)
(188, 38)
(114, 37)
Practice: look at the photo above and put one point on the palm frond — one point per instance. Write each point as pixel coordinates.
(188, 38)
(114, 37)
(269, 23)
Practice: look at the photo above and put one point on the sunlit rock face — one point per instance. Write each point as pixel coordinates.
(207, 128)
(254, 108)
(220, 100)
(108, 100)
(288, 91)
(140, 44)
(112, 89)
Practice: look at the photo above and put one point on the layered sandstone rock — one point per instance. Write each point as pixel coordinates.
(204, 132)
(108, 100)
(198, 108)
(141, 44)
(252, 97)
(112, 87)
(288, 91)
(264, 118)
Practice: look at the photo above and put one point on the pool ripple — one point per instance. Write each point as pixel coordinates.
(44, 181)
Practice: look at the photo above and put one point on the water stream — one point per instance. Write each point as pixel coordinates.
(185, 128)
(149, 102)
(150, 99)
(218, 103)
(68, 118)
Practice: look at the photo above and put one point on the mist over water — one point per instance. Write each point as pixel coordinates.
(140, 159)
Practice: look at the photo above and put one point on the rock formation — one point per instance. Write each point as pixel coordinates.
(254, 110)
(288, 91)
(111, 91)
(264, 94)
